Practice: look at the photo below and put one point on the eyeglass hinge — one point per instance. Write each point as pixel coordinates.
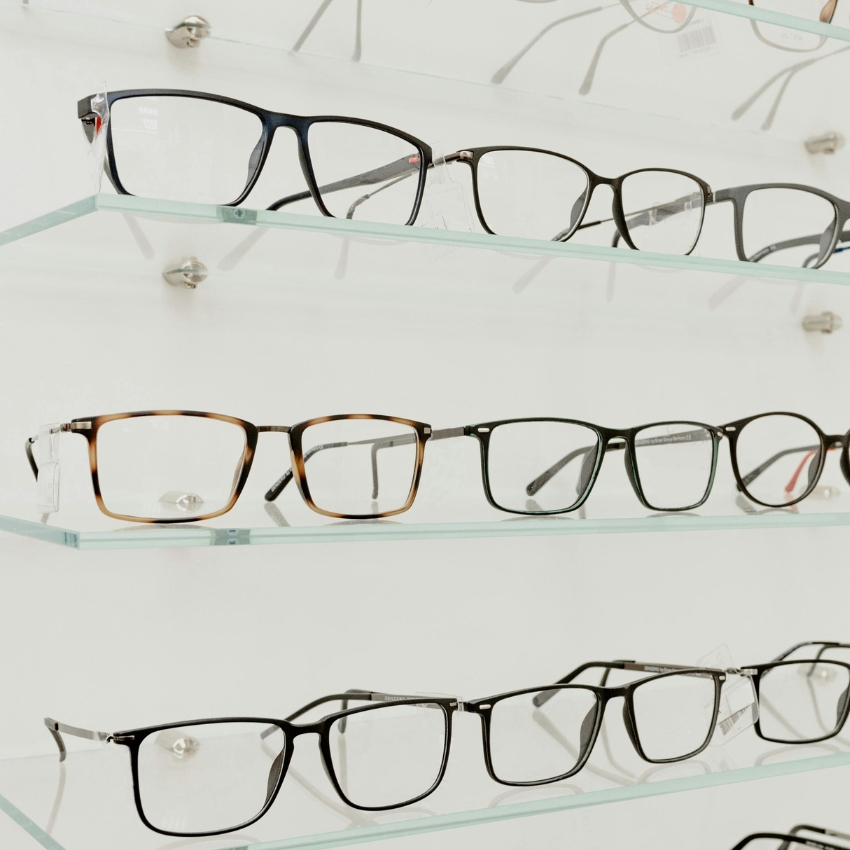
(464, 154)
(741, 671)
(77, 426)
(459, 706)
(120, 739)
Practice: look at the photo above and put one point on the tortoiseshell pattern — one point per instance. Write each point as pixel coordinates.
(89, 426)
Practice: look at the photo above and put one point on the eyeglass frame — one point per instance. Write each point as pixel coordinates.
(88, 427)
(604, 694)
(483, 432)
(133, 739)
(732, 431)
(270, 122)
(773, 44)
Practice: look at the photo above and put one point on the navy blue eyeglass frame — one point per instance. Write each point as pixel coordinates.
(271, 122)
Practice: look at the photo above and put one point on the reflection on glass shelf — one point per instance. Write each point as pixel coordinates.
(574, 51)
(63, 231)
(83, 803)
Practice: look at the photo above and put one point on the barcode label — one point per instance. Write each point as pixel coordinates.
(696, 41)
(727, 725)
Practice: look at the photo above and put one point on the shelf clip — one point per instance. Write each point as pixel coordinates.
(825, 143)
(190, 32)
(187, 275)
(826, 323)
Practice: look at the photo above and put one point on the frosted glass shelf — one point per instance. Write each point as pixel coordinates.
(522, 47)
(157, 537)
(85, 803)
(99, 253)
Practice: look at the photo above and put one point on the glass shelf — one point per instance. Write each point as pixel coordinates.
(521, 47)
(98, 254)
(291, 296)
(83, 804)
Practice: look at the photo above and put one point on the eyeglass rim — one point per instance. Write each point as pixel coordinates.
(421, 429)
(594, 180)
(603, 694)
(732, 431)
(483, 431)
(270, 121)
(134, 738)
(761, 669)
(755, 25)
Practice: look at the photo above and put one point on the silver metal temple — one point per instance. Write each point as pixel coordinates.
(447, 433)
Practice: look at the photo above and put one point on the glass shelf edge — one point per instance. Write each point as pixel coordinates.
(540, 807)
(129, 205)
(201, 536)
(29, 826)
(767, 16)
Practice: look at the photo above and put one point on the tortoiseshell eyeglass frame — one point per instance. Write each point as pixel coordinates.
(89, 426)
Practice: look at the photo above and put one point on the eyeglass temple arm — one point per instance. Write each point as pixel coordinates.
(817, 830)
(645, 216)
(814, 239)
(501, 74)
(752, 475)
(397, 170)
(344, 698)
(317, 17)
(823, 644)
(57, 729)
(377, 443)
(696, 435)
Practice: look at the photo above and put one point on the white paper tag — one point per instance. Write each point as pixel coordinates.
(738, 705)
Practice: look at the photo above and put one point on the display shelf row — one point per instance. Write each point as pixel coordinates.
(47, 241)
(86, 801)
(767, 69)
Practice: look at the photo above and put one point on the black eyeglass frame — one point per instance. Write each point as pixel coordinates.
(483, 431)
(134, 738)
(758, 671)
(270, 122)
(738, 195)
(472, 157)
(732, 431)
(603, 695)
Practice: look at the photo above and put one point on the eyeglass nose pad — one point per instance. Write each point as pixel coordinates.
(628, 720)
(587, 727)
(824, 245)
(845, 463)
(577, 208)
(814, 463)
(630, 471)
(274, 775)
(842, 706)
(586, 473)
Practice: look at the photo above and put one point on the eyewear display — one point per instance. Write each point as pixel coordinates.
(191, 146)
(176, 465)
(206, 777)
